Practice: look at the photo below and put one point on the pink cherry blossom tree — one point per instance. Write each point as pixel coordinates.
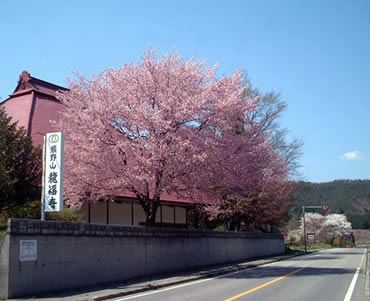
(314, 222)
(327, 227)
(335, 225)
(163, 126)
(267, 207)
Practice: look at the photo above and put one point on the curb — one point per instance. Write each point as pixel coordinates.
(199, 276)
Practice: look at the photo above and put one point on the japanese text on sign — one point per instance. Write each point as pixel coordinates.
(28, 250)
(53, 171)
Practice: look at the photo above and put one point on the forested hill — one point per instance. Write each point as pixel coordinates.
(351, 197)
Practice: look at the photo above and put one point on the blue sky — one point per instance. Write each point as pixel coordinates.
(315, 53)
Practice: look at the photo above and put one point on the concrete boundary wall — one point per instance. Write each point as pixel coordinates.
(4, 264)
(73, 255)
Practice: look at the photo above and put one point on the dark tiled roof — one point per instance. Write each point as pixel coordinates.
(27, 82)
(34, 105)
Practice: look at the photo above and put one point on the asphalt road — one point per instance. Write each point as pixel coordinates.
(336, 274)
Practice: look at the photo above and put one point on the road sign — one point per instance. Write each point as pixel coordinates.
(28, 250)
(311, 236)
(325, 206)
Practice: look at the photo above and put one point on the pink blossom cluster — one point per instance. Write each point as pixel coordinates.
(327, 227)
(165, 125)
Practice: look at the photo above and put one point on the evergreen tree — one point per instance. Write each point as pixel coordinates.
(20, 165)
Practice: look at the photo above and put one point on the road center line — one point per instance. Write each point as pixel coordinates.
(200, 281)
(266, 284)
(354, 279)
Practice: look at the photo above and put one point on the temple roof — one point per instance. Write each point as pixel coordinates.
(33, 104)
(27, 83)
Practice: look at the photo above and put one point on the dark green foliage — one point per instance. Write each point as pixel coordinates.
(198, 219)
(20, 165)
(359, 221)
(29, 210)
(67, 215)
(32, 210)
(349, 197)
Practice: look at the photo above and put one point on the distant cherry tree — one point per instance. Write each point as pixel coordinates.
(335, 225)
(328, 227)
(164, 126)
(314, 222)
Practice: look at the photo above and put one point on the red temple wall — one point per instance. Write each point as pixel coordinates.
(46, 110)
(19, 109)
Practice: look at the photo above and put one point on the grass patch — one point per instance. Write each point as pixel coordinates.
(310, 248)
(3, 231)
(366, 246)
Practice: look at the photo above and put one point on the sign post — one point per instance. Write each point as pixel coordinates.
(324, 206)
(53, 173)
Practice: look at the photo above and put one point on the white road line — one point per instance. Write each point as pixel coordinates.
(193, 282)
(164, 289)
(182, 285)
(185, 284)
(354, 279)
(207, 279)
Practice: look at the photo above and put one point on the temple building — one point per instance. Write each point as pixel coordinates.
(34, 105)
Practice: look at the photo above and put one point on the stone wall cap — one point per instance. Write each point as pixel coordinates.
(59, 228)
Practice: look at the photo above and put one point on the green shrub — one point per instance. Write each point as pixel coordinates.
(336, 241)
(32, 210)
(68, 215)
